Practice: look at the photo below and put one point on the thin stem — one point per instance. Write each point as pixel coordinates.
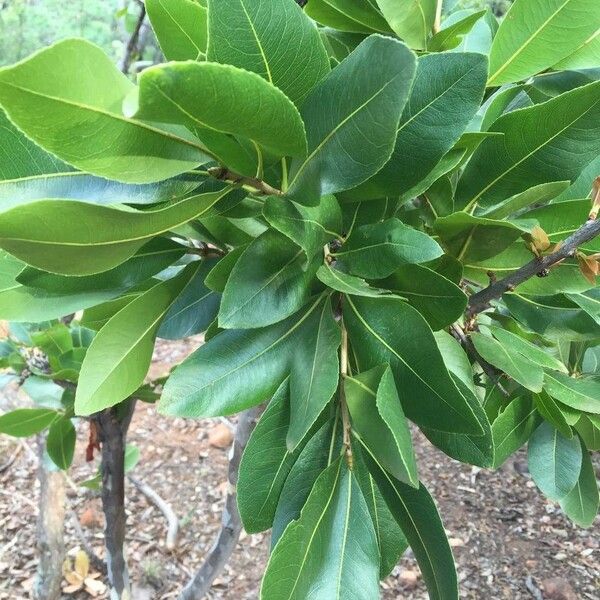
(259, 161)
(257, 186)
(284, 175)
(343, 404)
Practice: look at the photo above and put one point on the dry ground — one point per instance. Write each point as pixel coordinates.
(508, 541)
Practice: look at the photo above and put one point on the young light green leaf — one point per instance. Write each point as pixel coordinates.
(411, 20)
(587, 56)
(347, 284)
(387, 330)
(378, 420)
(119, 356)
(581, 503)
(578, 393)
(351, 139)
(49, 234)
(334, 516)
(169, 94)
(60, 443)
(270, 281)
(534, 148)
(554, 461)
(376, 251)
(79, 91)
(24, 422)
(536, 34)
(272, 38)
(180, 27)
(450, 36)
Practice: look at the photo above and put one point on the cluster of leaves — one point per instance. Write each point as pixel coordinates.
(320, 191)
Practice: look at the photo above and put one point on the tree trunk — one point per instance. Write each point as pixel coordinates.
(113, 424)
(50, 527)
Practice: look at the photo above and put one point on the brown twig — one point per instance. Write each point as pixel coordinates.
(481, 300)
(132, 44)
(262, 187)
(164, 507)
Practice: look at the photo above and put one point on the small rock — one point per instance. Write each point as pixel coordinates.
(220, 436)
(560, 556)
(409, 579)
(557, 588)
(455, 542)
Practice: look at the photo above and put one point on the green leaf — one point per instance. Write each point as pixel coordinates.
(534, 149)
(265, 464)
(20, 157)
(446, 95)
(507, 359)
(589, 301)
(180, 27)
(513, 427)
(195, 307)
(551, 412)
(169, 94)
(24, 422)
(378, 420)
(376, 251)
(588, 427)
(387, 330)
(348, 16)
(581, 503)
(79, 91)
(451, 36)
(119, 356)
(417, 515)
(579, 393)
(273, 38)
(310, 227)
(587, 56)
(313, 459)
(314, 374)
(60, 443)
(347, 284)
(219, 274)
(536, 34)
(351, 139)
(411, 20)
(554, 461)
(270, 281)
(48, 234)
(440, 301)
(237, 368)
(131, 458)
(334, 516)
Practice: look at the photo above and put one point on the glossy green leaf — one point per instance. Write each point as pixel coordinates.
(265, 465)
(334, 516)
(169, 94)
(314, 373)
(581, 503)
(536, 34)
(387, 330)
(194, 309)
(378, 419)
(552, 413)
(417, 515)
(535, 148)
(450, 36)
(273, 38)
(49, 235)
(60, 443)
(119, 356)
(269, 282)
(588, 427)
(24, 422)
(589, 301)
(377, 250)
(445, 96)
(238, 368)
(554, 461)
(310, 227)
(351, 139)
(579, 393)
(347, 284)
(180, 27)
(587, 56)
(411, 20)
(513, 427)
(507, 359)
(439, 300)
(80, 91)
(348, 16)
(219, 274)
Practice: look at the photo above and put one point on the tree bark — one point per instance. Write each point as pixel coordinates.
(113, 424)
(50, 527)
(231, 524)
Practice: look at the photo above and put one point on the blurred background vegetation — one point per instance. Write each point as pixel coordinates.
(26, 25)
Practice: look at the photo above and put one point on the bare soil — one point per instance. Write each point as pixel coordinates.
(508, 541)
